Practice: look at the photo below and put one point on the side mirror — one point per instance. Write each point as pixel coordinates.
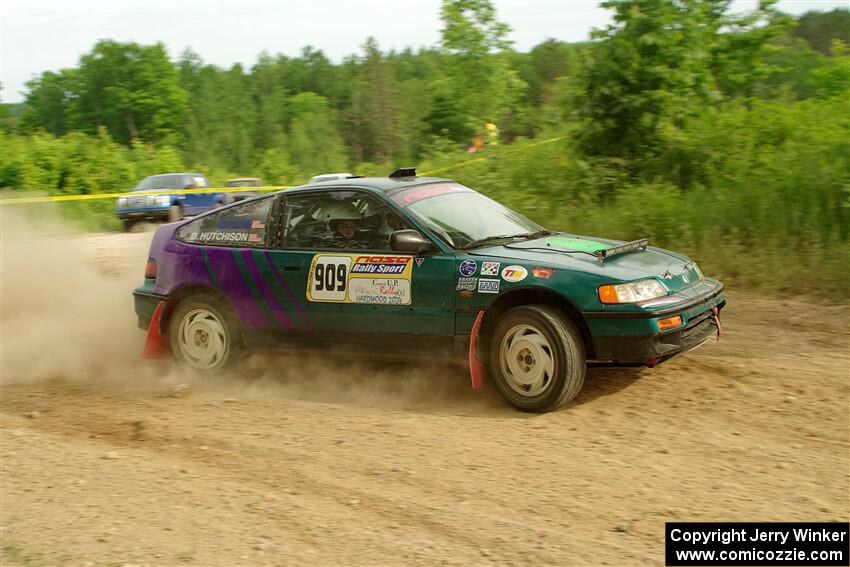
(410, 241)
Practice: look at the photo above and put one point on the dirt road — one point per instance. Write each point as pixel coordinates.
(110, 460)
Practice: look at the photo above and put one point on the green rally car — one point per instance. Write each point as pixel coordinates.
(419, 268)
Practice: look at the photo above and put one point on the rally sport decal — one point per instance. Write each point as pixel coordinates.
(359, 278)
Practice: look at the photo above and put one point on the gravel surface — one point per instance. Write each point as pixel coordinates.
(107, 459)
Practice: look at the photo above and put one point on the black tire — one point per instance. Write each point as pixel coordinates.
(555, 372)
(127, 225)
(175, 213)
(211, 322)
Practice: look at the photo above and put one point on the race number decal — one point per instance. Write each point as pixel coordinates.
(329, 278)
(360, 278)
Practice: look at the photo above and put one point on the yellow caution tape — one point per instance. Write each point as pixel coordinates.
(54, 198)
(90, 197)
(484, 158)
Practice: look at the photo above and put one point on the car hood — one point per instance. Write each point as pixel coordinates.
(575, 253)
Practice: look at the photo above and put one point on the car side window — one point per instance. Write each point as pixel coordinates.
(345, 220)
(240, 225)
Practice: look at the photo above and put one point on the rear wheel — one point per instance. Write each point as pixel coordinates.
(203, 333)
(175, 213)
(127, 225)
(537, 358)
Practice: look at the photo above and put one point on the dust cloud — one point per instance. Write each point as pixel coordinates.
(66, 313)
(61, 314)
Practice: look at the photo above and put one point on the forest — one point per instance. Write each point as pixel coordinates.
(724, 135)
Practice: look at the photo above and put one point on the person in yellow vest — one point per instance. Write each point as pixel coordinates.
(492, 134)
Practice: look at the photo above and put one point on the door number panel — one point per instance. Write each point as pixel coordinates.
(360, 278)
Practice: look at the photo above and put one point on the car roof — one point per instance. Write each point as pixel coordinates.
(244, 179)
(375, 184)
(177, 173)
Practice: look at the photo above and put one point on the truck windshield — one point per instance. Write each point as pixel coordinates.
(160, 182)
(462, 217)
(177, 181)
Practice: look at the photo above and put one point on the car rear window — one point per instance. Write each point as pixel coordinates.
(241, 225)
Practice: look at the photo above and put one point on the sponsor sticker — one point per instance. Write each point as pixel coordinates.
(393, 265)
(358, 278)
(468, 267)
(514, 273)
(382, 291)
(466, 284)
(488, 286)
(217, 236)
(419, 261)
(490, 268)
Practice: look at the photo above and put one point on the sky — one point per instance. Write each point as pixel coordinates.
(48, 35)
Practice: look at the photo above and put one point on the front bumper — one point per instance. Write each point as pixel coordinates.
(152, 213)
(634, 339)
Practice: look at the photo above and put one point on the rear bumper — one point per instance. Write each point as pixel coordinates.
(635, 340)
(145, 304)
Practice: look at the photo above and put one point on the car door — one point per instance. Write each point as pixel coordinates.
(355, 289)
(195, 203)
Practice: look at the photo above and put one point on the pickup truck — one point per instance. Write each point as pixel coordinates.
(163, 204)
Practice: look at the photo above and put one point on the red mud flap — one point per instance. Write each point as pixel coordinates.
(156, 345)
(717, 320)
(476, 369)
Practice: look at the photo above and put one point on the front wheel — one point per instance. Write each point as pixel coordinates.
(203, 333)
(537, 358)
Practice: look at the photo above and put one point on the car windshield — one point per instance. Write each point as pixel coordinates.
(464, 218)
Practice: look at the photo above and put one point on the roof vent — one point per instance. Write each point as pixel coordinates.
(403, 172)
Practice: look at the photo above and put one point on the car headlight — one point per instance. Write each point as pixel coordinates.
(164, 200)
(632, 292)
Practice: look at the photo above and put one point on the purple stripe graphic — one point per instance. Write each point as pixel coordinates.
(232, 282)
(255, 274)
(288, 291)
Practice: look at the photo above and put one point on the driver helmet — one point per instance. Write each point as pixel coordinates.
(337, 211)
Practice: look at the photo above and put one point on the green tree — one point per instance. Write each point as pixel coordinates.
(132, 90)
(315, 145)
(481, 79)
(657, 67)
(49, 102)
(821, 28)
(372, 113)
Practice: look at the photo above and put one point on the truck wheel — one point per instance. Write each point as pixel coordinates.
(175, 213)
(203, 333)
(127, 225)
(537, 358)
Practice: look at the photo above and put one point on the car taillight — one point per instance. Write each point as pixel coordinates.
(150, 269)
